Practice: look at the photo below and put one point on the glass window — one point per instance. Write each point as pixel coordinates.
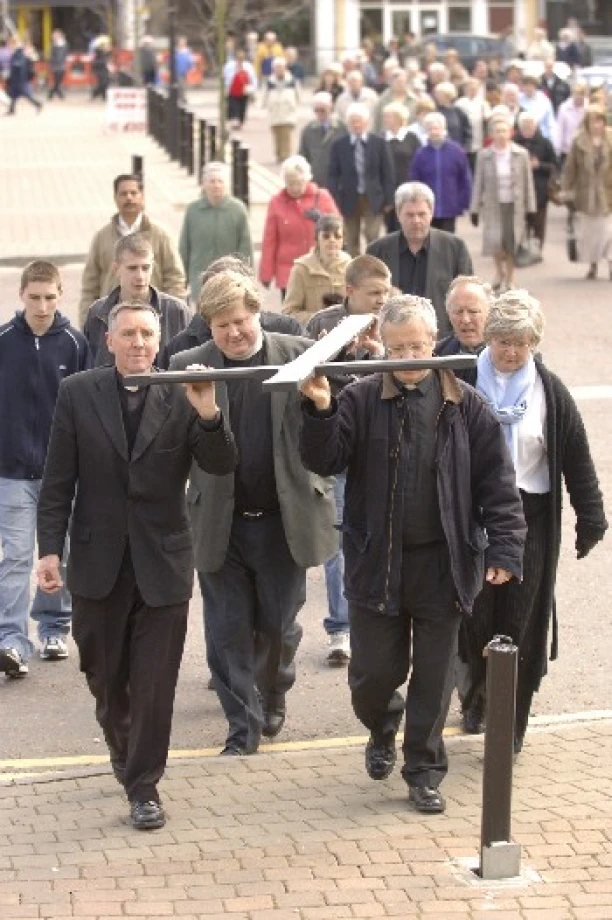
(372, 24)
(400, 23)
(429, 21)
(459, 19)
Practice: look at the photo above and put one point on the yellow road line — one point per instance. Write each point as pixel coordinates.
(92, 760)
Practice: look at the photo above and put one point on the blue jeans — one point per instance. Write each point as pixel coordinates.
(53, 612)
(338, 619)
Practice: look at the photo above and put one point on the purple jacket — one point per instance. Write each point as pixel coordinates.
(446, 171)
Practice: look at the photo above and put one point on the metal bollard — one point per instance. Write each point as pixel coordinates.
(236, 184)
(181, 136)
(190, 147)
(172, 122)
(499, 858)
(212, 142)
(202, 131)
(138, 167)
(243, 161)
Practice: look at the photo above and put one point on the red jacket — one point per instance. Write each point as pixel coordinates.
(288, 234)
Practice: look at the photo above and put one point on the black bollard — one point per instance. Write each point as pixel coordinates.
(243, 161)
(212, 142)
(190, 149)
(138, 167)
(236, 185)
(202, 131)
(499, 858)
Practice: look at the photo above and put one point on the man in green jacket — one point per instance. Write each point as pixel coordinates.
(215, 225)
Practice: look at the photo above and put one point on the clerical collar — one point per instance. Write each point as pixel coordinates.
(130, 389)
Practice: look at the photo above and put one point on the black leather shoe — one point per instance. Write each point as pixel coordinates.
(472, 719)
(273, 721)
(147, 816)
(380, 755)
(426, 799)
(232, 750)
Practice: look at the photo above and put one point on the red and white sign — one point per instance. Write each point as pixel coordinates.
(126, 109)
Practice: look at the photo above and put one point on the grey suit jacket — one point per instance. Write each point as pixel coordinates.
(448, 257)
(306, 500)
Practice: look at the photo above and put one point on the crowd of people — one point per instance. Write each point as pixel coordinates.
(446, 487)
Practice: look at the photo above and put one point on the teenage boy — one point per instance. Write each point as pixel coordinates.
(38, 349)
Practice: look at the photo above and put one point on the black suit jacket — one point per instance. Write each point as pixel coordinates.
(447, 257)
(379, 175)
(138, 500)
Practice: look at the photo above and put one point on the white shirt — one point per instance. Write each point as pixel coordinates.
(503, 165)
(125, 229)
(532, 457)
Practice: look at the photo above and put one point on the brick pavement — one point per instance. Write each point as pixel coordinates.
(306, 836)
(56, 174)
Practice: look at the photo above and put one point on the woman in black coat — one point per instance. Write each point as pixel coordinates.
(403, 144)
(544, 164)
(548, 443)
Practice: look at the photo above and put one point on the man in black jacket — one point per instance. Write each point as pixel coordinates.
(124, 455)
(133, 266)
(431, 510)
(421, 259)
(38, 349)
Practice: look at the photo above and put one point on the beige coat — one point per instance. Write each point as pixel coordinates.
(590, 194)
(485, 199)
(309, 281)
(99, 278)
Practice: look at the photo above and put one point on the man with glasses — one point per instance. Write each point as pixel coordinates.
(431, 510)
(318, 136)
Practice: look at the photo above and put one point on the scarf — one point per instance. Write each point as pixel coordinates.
(507, 396)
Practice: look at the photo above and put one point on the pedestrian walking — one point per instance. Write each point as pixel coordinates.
(257, 531)
(587, 187)
(99, 278)
(281, 99)
(215, 225)
(240, 87)
(543, 163)
(318, 136)
(38, 349)
(133, 267)
(183, 62)
(20, 76)
(548, 444)
(403, 144)
(57, 64)
(443, 166)
(123, 456)
(100, 67)
(422, 452)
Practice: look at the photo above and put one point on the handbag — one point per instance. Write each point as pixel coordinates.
(571, 241)
(528, 252)
(313, 213)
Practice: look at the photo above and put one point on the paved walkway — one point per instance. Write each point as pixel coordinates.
(56, 173)
(305, 835)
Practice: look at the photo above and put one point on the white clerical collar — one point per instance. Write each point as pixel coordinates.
(362, 137)
(401, 134)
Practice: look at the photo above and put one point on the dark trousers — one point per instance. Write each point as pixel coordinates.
(56, 88)
(444, 223)
(383, 649)
(236, 108)
(131, 654)
(539, 228)
(26, 93)
(250, 622)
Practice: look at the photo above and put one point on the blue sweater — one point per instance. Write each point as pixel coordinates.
(446, 171)
(31, 370)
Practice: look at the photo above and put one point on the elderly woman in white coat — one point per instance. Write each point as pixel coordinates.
(504, 196)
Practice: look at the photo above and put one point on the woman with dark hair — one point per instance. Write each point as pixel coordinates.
(319, 273)
(331, 81)
(548, 444)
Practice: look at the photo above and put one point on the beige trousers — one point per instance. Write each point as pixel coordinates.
(282, 141)
(352, 226)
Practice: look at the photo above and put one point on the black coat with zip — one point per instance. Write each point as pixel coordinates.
(480, 506)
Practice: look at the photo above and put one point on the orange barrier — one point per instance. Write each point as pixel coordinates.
(79, 70)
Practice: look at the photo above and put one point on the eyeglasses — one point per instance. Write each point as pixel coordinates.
(508, 345)
(409, 351)
(331, 234)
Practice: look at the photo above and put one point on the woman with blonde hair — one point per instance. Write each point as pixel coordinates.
(587, 188)
(319, 273)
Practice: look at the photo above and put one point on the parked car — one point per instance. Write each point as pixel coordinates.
(471, 48)
(597, 75)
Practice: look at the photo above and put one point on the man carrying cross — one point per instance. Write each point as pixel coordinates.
(431, 509)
